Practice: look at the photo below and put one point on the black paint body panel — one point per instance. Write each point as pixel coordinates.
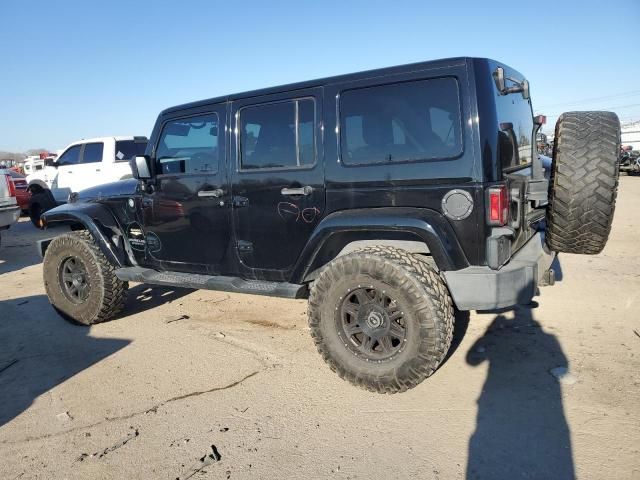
(253, 231)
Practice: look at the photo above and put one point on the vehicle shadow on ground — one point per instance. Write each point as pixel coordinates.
(18, 248)
(460, 325)
(521, 429)
(141, 298)
(39, 350)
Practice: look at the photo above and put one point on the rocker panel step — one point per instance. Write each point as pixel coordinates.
(208, 282)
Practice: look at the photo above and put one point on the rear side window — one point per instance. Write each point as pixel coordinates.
(128, 149)
(189, 145)
(92, 153)
(403, 122)
(278, 135)
(70, 156)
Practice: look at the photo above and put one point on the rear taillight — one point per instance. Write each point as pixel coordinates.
(10, 185)
(497, 205)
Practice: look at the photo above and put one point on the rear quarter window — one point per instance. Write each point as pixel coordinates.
(402, 122)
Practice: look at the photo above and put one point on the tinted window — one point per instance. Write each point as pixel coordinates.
(189, 145)
(515, 127)
(127, 149)
(278, 135)
(92, 153)
(402, 122)
(69, 157)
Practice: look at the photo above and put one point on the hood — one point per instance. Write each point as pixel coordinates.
(120, 188)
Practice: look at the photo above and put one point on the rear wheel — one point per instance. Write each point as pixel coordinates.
(381, 318)
(584, 182)
(80, 282)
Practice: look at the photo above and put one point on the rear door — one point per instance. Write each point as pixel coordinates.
(516, 148)
(278, 179)
(186, 224)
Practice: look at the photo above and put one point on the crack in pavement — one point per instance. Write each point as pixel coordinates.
(110, 449)
(134, 414)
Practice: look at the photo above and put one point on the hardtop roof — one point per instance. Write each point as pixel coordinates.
(379, 72)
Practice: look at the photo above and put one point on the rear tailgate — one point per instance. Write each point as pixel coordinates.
(9, 211)
(5, 199)
(518, 162)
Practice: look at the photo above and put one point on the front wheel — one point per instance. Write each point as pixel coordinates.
(80, 282)
(38, 204)
(381, 318)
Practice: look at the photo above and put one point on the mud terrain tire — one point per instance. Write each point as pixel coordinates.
(584, 182)
(405, 287)
(74, 257)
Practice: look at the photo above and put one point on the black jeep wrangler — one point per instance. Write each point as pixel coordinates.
(389, 198)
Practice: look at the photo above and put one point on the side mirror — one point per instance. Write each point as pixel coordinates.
(498, 77)
(140, 167)
(526, 94)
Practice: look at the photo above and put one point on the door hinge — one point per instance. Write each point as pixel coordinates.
(245, 246)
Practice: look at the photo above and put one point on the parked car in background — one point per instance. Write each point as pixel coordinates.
(33, 164)
(9, 210)
(22, 191)
(83, 164)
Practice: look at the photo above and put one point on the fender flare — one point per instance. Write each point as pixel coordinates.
(100, 223)
(341, 228)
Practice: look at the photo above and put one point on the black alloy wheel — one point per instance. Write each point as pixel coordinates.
(74, 280)
(372, 323)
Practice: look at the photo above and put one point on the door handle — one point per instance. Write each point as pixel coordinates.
(217, 193)
(306, 190)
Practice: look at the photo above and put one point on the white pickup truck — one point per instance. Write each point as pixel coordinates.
(9, 210)
(81, 165)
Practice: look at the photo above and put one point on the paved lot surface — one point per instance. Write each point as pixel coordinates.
(185, 378)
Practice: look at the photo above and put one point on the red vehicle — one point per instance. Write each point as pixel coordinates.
(22, 194)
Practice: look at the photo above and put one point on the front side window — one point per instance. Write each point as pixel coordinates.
(278, 135)
(70, 157)
(92, 152)
(408, 121)
(189, 145)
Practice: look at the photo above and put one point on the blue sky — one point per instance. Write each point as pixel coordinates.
(78, 69)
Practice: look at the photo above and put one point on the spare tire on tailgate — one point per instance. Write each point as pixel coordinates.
(584, 181)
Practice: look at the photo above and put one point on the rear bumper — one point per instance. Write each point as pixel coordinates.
(481, 288)
(9, 215)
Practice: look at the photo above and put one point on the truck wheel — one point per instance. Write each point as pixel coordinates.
(381, 318)
(38, 204)
(584, 182)
(80, 282)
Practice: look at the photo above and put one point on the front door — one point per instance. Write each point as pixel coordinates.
(186, 224)
(278, 180)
